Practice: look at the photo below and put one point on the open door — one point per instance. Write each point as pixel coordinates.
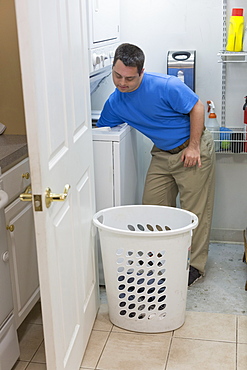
(53, 51)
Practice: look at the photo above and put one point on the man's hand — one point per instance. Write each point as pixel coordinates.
(191, 156)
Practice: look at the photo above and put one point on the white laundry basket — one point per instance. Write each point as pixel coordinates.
(146, 254)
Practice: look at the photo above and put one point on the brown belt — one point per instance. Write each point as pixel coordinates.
(179, 148)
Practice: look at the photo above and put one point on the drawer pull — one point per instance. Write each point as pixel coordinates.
(11, 228)
(27, 195)
(26, 175)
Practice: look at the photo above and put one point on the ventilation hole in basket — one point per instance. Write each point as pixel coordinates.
(130, 280)
(140, 272)
(162, 307)
(122, 304)
(161, 281)
(131, 306)
(131, 289)
(162, 316)
(167, 228)
(141, 316)
(120, 269)
(131, 297)
(150, 254)
(141, 290)
(140, 253)
(130, 262)
(162, 298)
(123, 312)
(131, 227)
(120, 260)
(121, 287)
(140, 263)
(140, 227)
(161, 272)
(151, 281)
(121, 278)
(141, 307)
(122, 295)
(150, 272)
(141, 298)
(159, 228)
(150, 227)
(130, 253)
(152, 307)
(150, 317)
(151, 299)
(140, 281)
(161, 290)
(132, 314)
(151, 290)
(160, 254)
(150, 263)
(130, 271)
(119, 252)
(161, 263)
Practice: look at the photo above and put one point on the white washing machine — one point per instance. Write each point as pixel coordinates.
(117, 172)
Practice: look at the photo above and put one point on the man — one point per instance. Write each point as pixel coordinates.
(183, 158)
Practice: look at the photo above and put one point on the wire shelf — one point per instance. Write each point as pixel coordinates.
(232, 57)
(233, 140)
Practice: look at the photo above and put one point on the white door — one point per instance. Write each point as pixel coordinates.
(53, 51)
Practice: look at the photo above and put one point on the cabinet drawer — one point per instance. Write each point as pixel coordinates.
(13, 180)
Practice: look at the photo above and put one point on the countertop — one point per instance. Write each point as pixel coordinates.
(13, 148)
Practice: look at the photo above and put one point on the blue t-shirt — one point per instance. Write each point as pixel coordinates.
(158, 108)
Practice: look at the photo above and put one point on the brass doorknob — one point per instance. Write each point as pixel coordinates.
(52, 197)
(27, 195)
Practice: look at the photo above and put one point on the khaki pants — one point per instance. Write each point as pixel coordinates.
(167, 177)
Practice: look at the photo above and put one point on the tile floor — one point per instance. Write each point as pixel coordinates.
(207, 340)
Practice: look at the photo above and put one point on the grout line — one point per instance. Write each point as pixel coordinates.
(103, 348)
(169, 350)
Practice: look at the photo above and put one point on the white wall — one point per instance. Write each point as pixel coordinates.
(158, 26)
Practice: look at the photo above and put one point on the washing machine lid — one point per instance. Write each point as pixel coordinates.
(116, 133)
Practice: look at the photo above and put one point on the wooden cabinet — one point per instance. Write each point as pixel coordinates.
(21, 241)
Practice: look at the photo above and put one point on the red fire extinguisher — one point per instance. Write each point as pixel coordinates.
(245, 123)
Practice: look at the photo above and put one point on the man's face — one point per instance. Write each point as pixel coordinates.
(126, 79)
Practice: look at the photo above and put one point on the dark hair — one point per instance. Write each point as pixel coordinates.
(130, 55)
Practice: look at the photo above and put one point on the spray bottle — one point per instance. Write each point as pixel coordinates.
(213, 125)
(245, 124)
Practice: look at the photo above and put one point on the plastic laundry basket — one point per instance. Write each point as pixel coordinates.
(146, 254)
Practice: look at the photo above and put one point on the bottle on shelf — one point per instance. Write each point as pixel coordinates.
(213, 125)
(236, 30)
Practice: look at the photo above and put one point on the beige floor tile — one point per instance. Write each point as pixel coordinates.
(242, 329)
(94, 348)
(30, 338)
(135, 351)
(242, 357)
(187, 354)
(116, 329)
(102, 321)
(209, 326)
(40, 355)
(20, 365)
(33, 366)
